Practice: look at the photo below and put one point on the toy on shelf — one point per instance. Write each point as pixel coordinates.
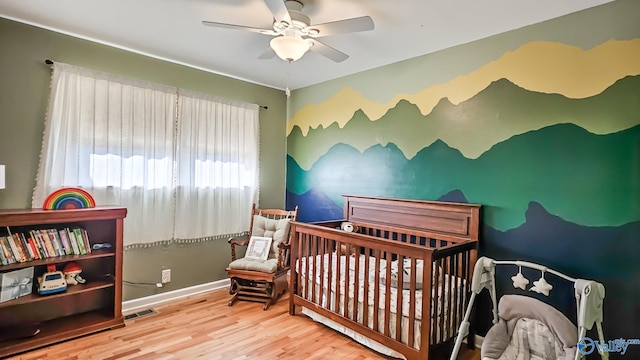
(69, 198)
(52, 281)
(72, 274)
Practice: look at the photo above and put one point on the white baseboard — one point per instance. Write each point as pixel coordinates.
(479, 339)
(149, 301)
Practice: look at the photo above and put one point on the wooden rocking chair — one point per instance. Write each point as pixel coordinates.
(262, 280)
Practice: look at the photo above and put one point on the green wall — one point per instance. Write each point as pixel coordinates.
(24, 91)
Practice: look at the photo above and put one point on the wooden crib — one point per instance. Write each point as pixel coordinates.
(354, 281)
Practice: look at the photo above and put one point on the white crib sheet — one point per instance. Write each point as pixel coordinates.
(328, 300)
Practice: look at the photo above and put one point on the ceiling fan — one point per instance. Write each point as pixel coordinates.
(294, 34)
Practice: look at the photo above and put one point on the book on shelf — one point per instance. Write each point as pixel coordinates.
(80, 241)
(73, 241)
(55, 239)
(34, 248)
(18, 246)
(25, 245)
(4, 242)
(47, 243)
(65, 242)
(38, 242)
(3, 258)
(85, 237)
(14, 249)
(23, 253)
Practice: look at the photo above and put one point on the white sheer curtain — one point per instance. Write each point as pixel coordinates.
(119, 139)
(217, 158)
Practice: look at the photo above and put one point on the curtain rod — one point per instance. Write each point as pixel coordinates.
(50, 62)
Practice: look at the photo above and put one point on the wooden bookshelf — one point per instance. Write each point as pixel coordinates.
(81, 309)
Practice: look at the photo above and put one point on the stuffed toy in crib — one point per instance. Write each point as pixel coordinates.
(348, 227)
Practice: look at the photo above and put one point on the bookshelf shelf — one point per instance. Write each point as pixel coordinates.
(58, 259)
(35, 320)
(75, 289)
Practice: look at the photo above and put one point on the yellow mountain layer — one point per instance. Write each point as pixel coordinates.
(539, 66)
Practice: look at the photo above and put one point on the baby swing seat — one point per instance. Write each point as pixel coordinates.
(525, 328)
(529, 329)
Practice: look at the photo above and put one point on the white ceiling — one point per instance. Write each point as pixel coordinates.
(172, 30)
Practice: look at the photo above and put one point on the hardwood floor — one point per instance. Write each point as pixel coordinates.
(204, 327)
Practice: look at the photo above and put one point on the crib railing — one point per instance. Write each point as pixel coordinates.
(373, 283)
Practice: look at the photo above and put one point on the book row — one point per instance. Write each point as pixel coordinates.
(42, 244)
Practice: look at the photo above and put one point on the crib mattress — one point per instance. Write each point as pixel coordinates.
(440, 296)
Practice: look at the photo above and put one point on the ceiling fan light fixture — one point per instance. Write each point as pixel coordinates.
(290, 48)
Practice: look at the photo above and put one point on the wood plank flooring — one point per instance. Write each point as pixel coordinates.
(204, 327)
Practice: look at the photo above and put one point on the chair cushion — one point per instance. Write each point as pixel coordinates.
(278, 230)
(266, 266)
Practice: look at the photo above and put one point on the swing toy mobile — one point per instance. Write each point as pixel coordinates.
(589, 296)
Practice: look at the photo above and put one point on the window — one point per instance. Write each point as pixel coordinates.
(185, 164)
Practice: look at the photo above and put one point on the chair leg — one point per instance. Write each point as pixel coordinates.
(271, 290)
(233, 286)
(233, 300)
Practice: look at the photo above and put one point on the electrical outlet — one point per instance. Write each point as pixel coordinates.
(166, 276)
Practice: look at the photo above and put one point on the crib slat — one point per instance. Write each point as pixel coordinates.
(399, 287)
(441, 300)
(338, 278)
(312, 271)
(356, 282)
(310, 264)
(412, 303)
(365, 294)
(436, 291)
(331, 304)
(321, 255)
(376, 291)
(302, 245)
(452, 295)
(347, 287)
(387, 296)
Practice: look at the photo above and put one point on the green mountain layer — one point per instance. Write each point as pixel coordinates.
(473, 126)
(584, 178)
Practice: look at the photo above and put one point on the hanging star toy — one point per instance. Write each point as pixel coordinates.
(519, 281)
(541, 286)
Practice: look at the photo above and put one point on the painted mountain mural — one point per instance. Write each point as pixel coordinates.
(548, 165)
(561, 194)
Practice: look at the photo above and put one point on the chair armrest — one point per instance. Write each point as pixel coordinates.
(239, 242)
(235, 241)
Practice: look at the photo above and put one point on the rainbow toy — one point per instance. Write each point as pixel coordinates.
(69, 198)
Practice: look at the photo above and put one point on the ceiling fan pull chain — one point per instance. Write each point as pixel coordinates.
(287, 91)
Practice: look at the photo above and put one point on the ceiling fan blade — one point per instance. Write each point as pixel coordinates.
(279, 10)
(267, 54)
(363, 23)
(327, 51)
(239, 27)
